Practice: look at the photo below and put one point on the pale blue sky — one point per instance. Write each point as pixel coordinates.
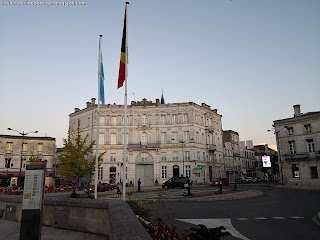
(250, 59)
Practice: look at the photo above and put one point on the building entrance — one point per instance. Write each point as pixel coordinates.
(176, 171)
(144, 169)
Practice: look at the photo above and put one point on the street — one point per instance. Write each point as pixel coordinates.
(278, 214)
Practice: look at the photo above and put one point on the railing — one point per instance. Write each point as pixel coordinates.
(138, 147)
(301, 156)
(211, 147)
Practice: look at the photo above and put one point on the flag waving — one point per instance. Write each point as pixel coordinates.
(124, 49)
(101, 76)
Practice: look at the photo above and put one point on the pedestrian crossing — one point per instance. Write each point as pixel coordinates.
(265, 218)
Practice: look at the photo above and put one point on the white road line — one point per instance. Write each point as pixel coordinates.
(260, 218)
(279, 218)
(296, 217)
(242, 219)
(214, 223)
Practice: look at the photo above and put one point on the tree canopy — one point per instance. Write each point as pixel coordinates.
(75, 159)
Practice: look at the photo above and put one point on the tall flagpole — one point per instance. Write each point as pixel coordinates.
(98, 116)
(125, 109)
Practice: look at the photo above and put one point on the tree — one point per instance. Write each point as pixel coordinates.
(74, 160)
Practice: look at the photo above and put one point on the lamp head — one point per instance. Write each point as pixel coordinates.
(9, 129)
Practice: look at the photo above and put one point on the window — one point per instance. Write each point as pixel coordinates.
(198, 156)
(25, 147)
(308, 128)
(144, 138)
(40, 147)
(310, 145)
(174, 137)
(314, 172)
(144, 157)
(203, 156)
(186, 118)
(292, 147)
(102, 120)
(112, 157)
(113, 121)
(186, 136)
(113, 138)
(163, 119)
(101, 138)
(290, 131)
(7, 162)
(144, 119)
(187, 155)
(9, 147)
(163, 137)
(175, 156)
(164, 172)
(163, 156)
(188, 170)
(295, 171)
(174, 118)
(100, 173)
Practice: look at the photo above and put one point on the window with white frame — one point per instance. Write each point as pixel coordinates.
(113, 138)
(144, 138)
(112, 157)
(40, 147)
(100, 173)
(163, 156)
(175, 156)
(187, 155)
(163, 119)
(186, 118)
(25, 147)
(174, 137)
(163, 172)
(9, 147)
(102, 121)
(113, 120)
(310, 145)
(163, 137)
(292, 147)
(101, 138)
(174, 118)
(308, 128)
(144, 120)
(186, 136)
(188, 170)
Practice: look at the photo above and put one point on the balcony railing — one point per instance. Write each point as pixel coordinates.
(301, 156)
(210, 129)
(138, 147)
(211, 147)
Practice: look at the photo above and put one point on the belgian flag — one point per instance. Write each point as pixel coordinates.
(122, 68)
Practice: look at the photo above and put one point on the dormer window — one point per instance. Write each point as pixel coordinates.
(308, 128)
(290, 131)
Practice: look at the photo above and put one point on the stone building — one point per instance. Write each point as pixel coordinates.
(164, 140)
(298, 141)
(232, 155)
(17, 150)
(264, 150)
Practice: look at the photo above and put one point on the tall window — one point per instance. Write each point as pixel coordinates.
(174, 137)
(163, 137)
(203, 156)
(186, 118)
(100, 173)
(186, 136)
(144, 138)
(7, 162)
(188, 170)
(40, 147)
(174, 118)
(175, 156)
(314, 172)
(198, 156)
(308, 128)
(25, 147)
(101, 138)
(102, 120)
(9, 147)
(163, 156)
(112, 157)
(164, 172)
(144, 157)
(310, 145)
(113, 120)
(144, 119)
(113, 138)
(187, 155)
(292, 147)
(163, 119)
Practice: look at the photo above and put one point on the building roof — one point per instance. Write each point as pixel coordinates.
(26, 137)
(303, 116)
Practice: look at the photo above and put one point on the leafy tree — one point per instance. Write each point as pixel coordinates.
(34, 157)
(74, 160)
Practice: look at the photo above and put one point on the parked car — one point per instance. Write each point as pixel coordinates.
(241, 180)
(249, 180)
(105, 187)
(225, 182)
(254, 179)
(177, 182)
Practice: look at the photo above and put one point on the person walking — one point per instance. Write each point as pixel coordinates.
(139, 183)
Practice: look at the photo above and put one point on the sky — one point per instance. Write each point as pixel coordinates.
(252, 60)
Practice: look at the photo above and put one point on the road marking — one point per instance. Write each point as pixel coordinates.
(260, 218)
(242, 219)
(278, 217)
(214, 223)
(296, 217)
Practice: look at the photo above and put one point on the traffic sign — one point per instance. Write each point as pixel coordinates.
(185, 192)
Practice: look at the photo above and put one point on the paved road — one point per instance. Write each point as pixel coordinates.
(278, 214)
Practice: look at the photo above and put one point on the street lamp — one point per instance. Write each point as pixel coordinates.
(278, 150)
(182, 142)
(23, 134)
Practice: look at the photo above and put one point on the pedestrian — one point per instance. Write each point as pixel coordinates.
(220, 186)
(139, 183)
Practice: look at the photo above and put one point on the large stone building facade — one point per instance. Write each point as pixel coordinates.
(163, 140)
(298, 141)
(15, 151)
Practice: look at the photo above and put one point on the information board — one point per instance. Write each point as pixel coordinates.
(33, 188)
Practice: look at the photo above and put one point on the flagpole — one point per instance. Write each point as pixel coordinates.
(98, 122)
(125, 109)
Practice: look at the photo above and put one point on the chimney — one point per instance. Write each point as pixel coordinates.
(76, 110)
(88, 104)
(93, 101)
(297, 112)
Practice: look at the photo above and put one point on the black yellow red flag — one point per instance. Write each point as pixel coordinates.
(122, 68)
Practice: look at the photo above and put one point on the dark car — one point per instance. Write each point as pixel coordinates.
(177, 182)
(106, 187)
(225, 182)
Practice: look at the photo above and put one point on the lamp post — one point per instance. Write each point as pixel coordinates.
(278, 150)
(182, 142)
(23, 134)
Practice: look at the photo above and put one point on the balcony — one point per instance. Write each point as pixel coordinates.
(302, 156)
(139, 147)
(211, 147)
(210, 129)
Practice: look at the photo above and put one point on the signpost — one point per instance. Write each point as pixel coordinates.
(32, 204)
